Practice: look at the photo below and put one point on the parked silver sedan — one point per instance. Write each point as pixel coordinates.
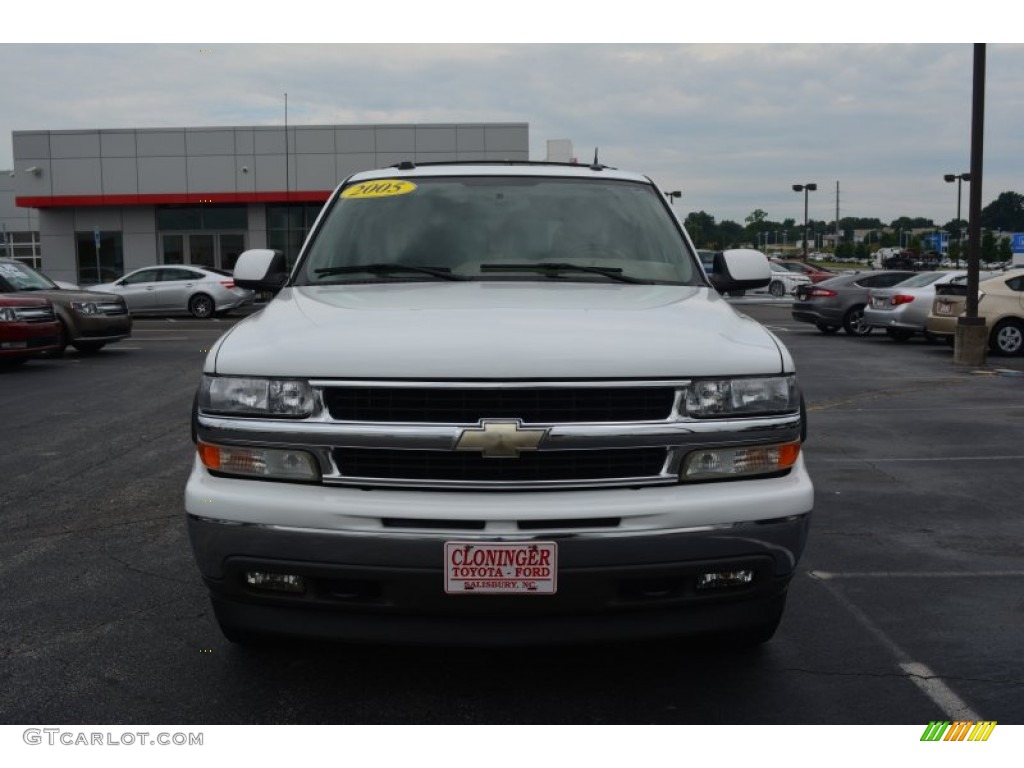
(903, 309)
(177, 289)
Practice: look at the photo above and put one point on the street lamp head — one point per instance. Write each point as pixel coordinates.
(950, 177)
(811, 187)
(798, 187)
(965, 176)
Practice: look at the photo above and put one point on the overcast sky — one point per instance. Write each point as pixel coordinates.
(733, 126)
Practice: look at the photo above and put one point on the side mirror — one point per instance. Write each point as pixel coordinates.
(740, 269)
(261, 269)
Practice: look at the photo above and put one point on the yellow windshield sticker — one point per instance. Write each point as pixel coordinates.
(379, 188)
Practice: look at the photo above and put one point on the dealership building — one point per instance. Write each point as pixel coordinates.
(87, 203)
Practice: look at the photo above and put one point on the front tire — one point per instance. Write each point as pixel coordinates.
(1007, 338)
(777, 289)
(201, 306)
(854, 323)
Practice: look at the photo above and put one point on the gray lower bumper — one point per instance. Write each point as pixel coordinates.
(391, 587)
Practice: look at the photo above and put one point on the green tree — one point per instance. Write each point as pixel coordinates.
(731, 234)
(1005, 213)
(989, 253)
(846, 251)
(905, 222)
(1005, 250)
(758, 216)
(887, 240)
(702, 229)
(955, 252)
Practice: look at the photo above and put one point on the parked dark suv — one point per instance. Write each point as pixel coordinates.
(88, 320)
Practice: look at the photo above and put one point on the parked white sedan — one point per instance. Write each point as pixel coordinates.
(784, 282)
(177, 289)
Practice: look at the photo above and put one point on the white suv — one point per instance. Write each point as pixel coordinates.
(498, 404)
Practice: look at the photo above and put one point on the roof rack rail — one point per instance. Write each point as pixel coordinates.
(407, 165)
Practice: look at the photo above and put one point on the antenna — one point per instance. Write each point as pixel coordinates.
(596, 166)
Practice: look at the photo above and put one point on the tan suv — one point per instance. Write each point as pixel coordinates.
(1000, 303)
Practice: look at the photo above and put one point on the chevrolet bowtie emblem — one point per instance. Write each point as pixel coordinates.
(500, 439)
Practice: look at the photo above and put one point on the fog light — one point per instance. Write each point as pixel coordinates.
(275, 582)
(724, 579)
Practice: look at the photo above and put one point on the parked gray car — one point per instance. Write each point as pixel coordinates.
(903, 309)
(839, 302)
(177, 289)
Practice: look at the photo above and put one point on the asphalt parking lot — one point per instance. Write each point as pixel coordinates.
(908, 607)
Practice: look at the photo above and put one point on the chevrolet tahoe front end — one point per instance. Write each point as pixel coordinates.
(497, 448)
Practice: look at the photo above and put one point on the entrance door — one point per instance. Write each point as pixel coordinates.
(212, 250)
(201, 251)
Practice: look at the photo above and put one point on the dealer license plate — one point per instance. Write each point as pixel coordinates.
(483, 568)
(943, 308)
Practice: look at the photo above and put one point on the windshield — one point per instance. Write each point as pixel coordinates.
(498, 228)
(19, 277)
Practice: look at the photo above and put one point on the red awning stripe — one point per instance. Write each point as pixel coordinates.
(188, 198)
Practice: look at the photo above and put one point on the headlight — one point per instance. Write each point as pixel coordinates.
(255, 397)
(717, 398)
(8, 315)
(732, 463)
(85, 307)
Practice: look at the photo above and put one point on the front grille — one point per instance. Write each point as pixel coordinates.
(556, 405)
(112, 308)
(36, 314)
(535, 466)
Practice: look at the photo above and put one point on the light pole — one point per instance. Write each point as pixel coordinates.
(959, 178)
(805, 188)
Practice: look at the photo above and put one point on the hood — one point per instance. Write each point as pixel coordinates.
(497, 330)
(65, 297)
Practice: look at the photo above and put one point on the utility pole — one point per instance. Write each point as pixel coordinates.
(837, 215)
(971, 334)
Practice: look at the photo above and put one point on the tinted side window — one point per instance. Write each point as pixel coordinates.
(145, 276)
(882, 281)
(1016, 284)
(167, 275)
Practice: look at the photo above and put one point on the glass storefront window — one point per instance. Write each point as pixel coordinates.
(288, 225)
(110, 261)
(174, 249)
(202, 217)
(231, 247)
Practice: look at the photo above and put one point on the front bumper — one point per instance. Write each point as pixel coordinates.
(370, 578)
(105, 328)
(807, 312)
(27, 339)
(893, 318)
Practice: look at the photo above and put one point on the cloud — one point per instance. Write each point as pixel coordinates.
(733, 126)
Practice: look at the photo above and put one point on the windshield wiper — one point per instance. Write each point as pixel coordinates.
(390, 268)
(555, 268)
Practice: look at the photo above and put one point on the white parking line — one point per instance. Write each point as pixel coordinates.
(163, 338)
(936, 459)
(920, 675)
(828, 575)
